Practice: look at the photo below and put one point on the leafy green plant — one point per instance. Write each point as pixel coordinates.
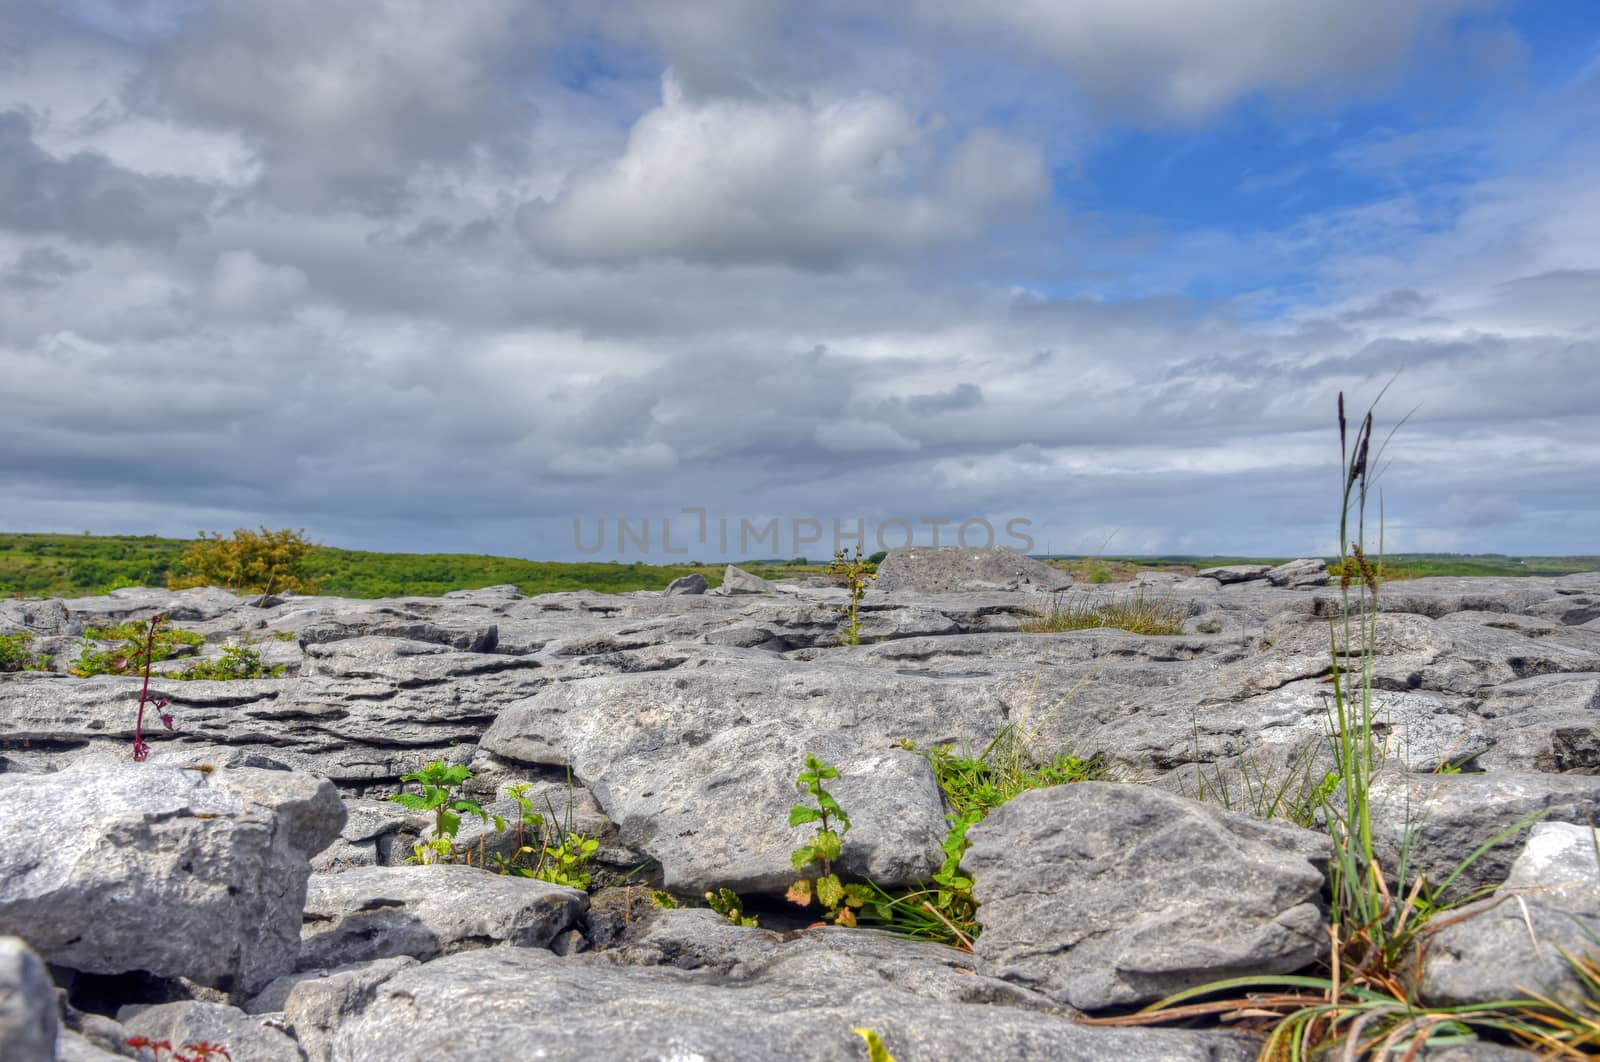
(726, 903)
(135, 645)
(283, 636)
(857, 575)
(438, 782)
(14, 654)
(557, 854)
(1138, 613)
(247, 562)
(238, 661)
(838, 900)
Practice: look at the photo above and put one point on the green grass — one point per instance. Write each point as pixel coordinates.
(54, 565)
(1396, 565)
(1137, 612)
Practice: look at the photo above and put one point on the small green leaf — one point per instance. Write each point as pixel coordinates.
(876, 1052)
(799, 815)
(829, 891)
(412, 801)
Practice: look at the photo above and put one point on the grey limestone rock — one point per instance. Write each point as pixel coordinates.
(685, 585)
(198, 874)
(496, 1003)
(29, 1018)
(955, 569)
(738, 581)
(1512, 944)
(246, 1038)
(1100, 895)
(425, 911)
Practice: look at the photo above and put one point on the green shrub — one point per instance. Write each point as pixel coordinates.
(248, 562)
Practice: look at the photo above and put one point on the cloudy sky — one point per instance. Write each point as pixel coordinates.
(450, 276)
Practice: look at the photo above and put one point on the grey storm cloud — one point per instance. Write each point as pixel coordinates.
(87, 197)
(38, 268)
(444, 276)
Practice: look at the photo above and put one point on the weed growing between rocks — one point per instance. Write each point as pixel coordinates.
(857, 575)
(146, 653)
(438, 782)
(14, 654)
(1138, 613)
(238, 661)
(135, 645)
(1294, 791)
(557, 854)
(839, 901)
(544, 850)
(1366, 1003)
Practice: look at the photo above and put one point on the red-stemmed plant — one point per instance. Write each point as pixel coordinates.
(141, 748)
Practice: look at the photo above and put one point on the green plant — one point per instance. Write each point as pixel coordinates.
(238, 661)
(839, 901)
(14, 655)
(1137, 612)
(136, 645)
(726, 903)
(438, 781)
(664, 900)
(283, 636)
(247, 562)
(857, 577)
(559, 855)
(876, 1052)
(1366, 1000)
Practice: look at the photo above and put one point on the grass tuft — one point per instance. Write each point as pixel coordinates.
(1137, 612)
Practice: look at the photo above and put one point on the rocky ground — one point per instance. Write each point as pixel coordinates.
(246, 884)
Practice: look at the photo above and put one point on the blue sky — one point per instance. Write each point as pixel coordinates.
(468, 277)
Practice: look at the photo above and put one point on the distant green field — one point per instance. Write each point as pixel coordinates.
(46, 565)
(1395, 565)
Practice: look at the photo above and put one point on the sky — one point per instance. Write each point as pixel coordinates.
(553, 279)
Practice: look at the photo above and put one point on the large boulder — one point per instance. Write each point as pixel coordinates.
(738, 581)
(1100, 894)
(200, 874)
(686, 586)
(956, 569)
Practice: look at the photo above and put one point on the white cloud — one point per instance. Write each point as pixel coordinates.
(804, 182)
(1187, 59)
